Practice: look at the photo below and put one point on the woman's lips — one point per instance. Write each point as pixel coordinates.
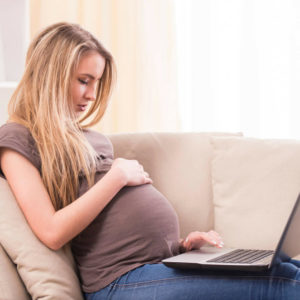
(82, 107)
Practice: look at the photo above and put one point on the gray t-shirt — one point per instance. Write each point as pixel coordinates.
(138, 226)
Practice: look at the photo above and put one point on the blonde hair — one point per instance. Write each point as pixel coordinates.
(41, 102)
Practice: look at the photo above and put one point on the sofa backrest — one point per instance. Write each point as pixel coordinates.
(180, 166)
(242, 187)
(255, 185)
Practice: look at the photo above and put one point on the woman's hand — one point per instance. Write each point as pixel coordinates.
(131, 171)
(196, 239)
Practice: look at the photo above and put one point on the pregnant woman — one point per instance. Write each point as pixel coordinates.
(71, 189)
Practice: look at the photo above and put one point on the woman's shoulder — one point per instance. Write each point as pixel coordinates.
(17, 137)
(14, 130)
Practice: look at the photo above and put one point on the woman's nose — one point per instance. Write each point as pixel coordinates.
(91, 94)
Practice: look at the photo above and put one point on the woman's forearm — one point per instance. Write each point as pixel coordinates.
(72, 219)
(56, 228)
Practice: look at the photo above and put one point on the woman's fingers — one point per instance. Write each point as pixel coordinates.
(196, 240)
(147, 178)
(132, 171)
(215, 239)
(146, 175)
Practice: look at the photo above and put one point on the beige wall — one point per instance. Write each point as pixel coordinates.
(6, 90)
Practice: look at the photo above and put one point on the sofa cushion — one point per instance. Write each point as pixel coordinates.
(255, 185)
(11, 285)
(179, 164)
(46, 274)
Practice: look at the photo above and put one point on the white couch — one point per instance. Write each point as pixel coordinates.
(242, 187)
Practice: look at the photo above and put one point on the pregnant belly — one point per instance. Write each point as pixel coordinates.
(139, 220)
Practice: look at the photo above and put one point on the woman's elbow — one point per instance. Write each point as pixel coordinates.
(52, 241)
(54, 245)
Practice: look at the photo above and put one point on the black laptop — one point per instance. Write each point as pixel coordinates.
(245, 259)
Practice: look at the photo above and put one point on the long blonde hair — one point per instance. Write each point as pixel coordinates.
(41, 102)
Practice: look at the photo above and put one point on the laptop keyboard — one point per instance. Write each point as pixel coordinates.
(242, 256)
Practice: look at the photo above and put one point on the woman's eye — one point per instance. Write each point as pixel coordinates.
(82, 81)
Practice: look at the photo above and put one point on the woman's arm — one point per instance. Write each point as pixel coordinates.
(56, 228)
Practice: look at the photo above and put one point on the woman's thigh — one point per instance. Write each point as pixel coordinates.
(157, 281)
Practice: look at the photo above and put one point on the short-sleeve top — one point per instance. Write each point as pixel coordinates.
(137, 227)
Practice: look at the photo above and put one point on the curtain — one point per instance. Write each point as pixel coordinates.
(239, 66)
(140, 34)
(194, 65)
(2, 65)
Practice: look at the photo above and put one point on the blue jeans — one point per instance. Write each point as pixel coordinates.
(156, 281)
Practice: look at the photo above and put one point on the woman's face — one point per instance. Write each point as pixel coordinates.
(85, 80)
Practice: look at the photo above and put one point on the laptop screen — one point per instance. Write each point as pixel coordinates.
(289, 244)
